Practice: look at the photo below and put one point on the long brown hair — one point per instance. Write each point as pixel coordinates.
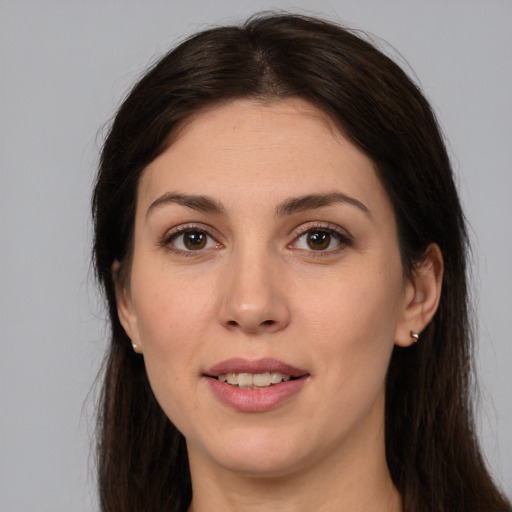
(432, 452)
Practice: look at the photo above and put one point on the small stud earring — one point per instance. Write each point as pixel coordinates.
(135, 347)
(415, 336)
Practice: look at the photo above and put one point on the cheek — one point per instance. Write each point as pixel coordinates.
(360, 306)
(353, 326)
(172, 324)
(171, 310)
(169, 348)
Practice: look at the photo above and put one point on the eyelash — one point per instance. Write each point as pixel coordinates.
(343, 239)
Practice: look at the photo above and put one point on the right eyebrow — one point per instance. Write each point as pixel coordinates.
(200, 203)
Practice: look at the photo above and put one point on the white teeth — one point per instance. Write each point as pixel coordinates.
(231, 379)
(276, 377)
(262, 380)
(245, 380)
(254, 380)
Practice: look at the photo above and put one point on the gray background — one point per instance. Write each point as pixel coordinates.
(64, 67)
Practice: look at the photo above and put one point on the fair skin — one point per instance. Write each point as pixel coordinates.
(234, 258)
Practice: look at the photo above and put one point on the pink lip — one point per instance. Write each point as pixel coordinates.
(255, 400)
(240, 365)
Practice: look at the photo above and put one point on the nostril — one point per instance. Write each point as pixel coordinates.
(254, 327)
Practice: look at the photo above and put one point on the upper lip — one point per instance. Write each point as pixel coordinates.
(241, 365)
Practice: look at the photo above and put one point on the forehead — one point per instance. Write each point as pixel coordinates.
(269, 149)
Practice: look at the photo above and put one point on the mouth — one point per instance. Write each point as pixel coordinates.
(255, 386)
(260, 374)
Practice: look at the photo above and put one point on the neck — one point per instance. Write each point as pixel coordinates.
(298, 495)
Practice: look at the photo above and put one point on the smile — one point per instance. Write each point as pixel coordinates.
(255, 385)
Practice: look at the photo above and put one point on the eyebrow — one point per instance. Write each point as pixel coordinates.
(313, 201)
(288, 207)
(200, 203)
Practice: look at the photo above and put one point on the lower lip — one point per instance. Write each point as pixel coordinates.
(255, 400)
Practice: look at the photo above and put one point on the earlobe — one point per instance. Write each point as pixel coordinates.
(125, 311)
(422, 295)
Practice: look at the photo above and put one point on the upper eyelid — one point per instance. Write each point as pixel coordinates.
(191, 226)
(320, 225)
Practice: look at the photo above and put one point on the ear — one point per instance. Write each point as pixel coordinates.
(125, 310)
(421, 296)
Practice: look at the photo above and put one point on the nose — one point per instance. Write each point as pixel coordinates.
(255, 295)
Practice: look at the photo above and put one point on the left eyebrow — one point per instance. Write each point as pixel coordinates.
(313, 201)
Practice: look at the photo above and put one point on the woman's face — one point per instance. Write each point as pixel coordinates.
(266, 289)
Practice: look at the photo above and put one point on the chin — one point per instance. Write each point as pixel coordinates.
(273, 467)
(263, 454)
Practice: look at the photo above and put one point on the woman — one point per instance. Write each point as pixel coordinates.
(283, 252)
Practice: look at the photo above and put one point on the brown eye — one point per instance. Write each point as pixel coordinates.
(194, 240)
(318, 240)
(188, 240)
(321, 240)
